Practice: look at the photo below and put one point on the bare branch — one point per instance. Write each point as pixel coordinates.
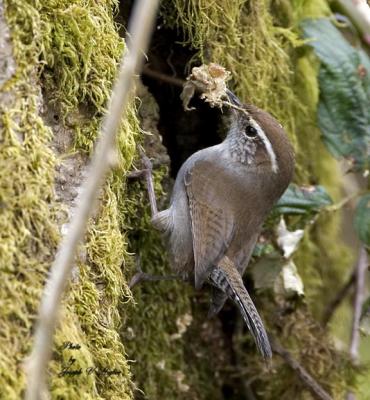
(140, 28)
(305, 377)
(160, 76)
(358, 300)
(246, 383)
(361, 269)
(340, 296)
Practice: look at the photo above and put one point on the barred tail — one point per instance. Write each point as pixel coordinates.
(226, 278)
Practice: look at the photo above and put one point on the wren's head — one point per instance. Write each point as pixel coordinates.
(257, 139)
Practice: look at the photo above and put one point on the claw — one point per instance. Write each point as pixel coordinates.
(136, 174)
(147, 164)
(146, 161)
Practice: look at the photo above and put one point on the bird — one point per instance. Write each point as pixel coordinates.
(221, 197)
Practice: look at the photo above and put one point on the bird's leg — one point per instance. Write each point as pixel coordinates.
(146, 172)
(141, 276)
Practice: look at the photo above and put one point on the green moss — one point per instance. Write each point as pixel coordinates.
(27, 222)
(96, 296)
(71, 49)
(243, 37)
(28, 235)
(157, 304)
(80, 49)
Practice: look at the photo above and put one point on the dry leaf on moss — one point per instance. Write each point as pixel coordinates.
(289, 283)
(288, 240)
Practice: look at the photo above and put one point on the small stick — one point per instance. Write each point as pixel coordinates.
(360, 273)
(140, 28)
(340, 296)
(305, 377)
(342, 203)
(361, 269)
(171, 80)
(246, 383)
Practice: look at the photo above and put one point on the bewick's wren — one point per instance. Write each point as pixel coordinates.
(221, 197)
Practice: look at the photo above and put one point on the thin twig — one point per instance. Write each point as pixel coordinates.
(340, 296)
(171, 80)
(246, 384)
(140, 29)
(305, 377)
(342, 203)
(358, 300)
(361, 269)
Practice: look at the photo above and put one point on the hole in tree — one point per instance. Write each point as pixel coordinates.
(183, 132)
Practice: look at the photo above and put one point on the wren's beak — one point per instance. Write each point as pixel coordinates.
(233, 98)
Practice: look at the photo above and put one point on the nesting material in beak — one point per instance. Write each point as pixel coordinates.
(233, 98)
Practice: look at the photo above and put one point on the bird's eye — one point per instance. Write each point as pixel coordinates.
(250, 131)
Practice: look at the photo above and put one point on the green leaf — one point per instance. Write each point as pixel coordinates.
(303, 200)
(344, 78)
(362, 219)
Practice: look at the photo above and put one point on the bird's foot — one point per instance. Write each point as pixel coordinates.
(146, 163)
(141, 276)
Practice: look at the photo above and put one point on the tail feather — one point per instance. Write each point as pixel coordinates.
(226, 278)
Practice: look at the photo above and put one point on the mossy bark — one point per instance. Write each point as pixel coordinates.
(65, 58)
(61, 61)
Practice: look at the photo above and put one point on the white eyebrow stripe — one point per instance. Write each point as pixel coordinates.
(267, 143)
